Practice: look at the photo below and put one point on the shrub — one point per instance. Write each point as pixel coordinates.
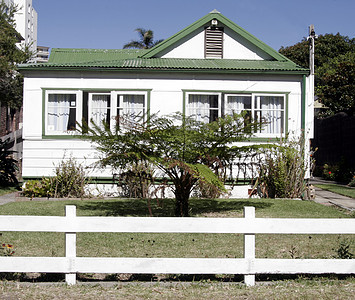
(352, 182)
(282, 170)
(38, 188)
(70, 179)
(8, 165)
(136, 181)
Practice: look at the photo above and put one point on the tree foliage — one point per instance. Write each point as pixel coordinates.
(184, 150)
(336, 84)
(334, 69)
(146, 40)
(11, 81)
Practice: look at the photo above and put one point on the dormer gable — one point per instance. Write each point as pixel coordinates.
(214, 37)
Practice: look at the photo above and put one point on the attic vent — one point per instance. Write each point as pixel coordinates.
(214, 42)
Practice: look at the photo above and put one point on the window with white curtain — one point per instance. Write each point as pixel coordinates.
(61, 112)
(270, 110)
(100, 108)
(266, 108)
(203, 107)
(131, 106)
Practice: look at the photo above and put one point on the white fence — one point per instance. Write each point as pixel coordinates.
(249, 226)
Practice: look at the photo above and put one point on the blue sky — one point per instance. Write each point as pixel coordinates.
(110, 24)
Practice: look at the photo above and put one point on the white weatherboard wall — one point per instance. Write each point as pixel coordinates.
(234, 47)
(40, 155)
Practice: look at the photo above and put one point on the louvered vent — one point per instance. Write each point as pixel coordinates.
(214, 42)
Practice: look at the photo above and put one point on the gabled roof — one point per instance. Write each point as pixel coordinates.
(148, 59)
(204, 21)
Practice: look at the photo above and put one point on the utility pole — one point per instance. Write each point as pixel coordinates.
(311, 38)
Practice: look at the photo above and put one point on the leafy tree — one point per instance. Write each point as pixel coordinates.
(336, 84)
(327, 46)
(334, 69)
(184, 150)
(11, 81)
(146, 40)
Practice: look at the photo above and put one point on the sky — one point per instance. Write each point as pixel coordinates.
(109, 24)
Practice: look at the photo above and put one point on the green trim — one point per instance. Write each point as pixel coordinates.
(77, 136)
(169, 70)
(43, 112)
(286, 114)
(303, 104)
(201, 23)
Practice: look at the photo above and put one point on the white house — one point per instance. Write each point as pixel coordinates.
(207, 69)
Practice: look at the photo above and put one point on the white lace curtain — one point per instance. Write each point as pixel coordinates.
(60, 106)
(271, 110)
(237, 104)
(131, 106)
(100, 109)
(199, 107)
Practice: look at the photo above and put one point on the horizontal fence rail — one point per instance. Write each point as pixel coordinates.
(249, 226)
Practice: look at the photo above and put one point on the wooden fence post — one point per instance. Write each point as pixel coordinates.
(70, 245)
(249, 244)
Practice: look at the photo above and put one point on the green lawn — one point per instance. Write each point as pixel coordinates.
(322, 288)
(339, 189)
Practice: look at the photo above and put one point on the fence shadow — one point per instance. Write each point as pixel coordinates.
(165, 207)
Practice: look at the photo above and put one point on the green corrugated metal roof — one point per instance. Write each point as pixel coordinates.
(168, 64)
(66, 55)
(148, 59)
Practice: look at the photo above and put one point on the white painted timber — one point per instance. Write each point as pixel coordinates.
(249, 245)
(187, 225)
(176, 265)
(249, 265)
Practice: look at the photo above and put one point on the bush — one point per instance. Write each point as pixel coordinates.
(340, 172)
(352, 182)
(70, 179)
(136, 181)
(282, 170)
(38, 188)
(8, 166)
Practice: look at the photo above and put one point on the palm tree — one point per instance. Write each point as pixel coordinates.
(145, 41)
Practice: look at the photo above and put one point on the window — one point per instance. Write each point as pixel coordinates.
(110, 106)
(204, 107)
(100, 108)
(266, 108)
(62, 112)
(270, 109)
(130, 106)
(64, 109)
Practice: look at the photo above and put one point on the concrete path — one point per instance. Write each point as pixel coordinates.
(328, 198)
(8, 198)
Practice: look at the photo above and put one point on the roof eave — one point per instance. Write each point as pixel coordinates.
(176, 70)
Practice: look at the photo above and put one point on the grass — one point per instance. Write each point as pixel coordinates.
(321, 288)
(339, 189)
